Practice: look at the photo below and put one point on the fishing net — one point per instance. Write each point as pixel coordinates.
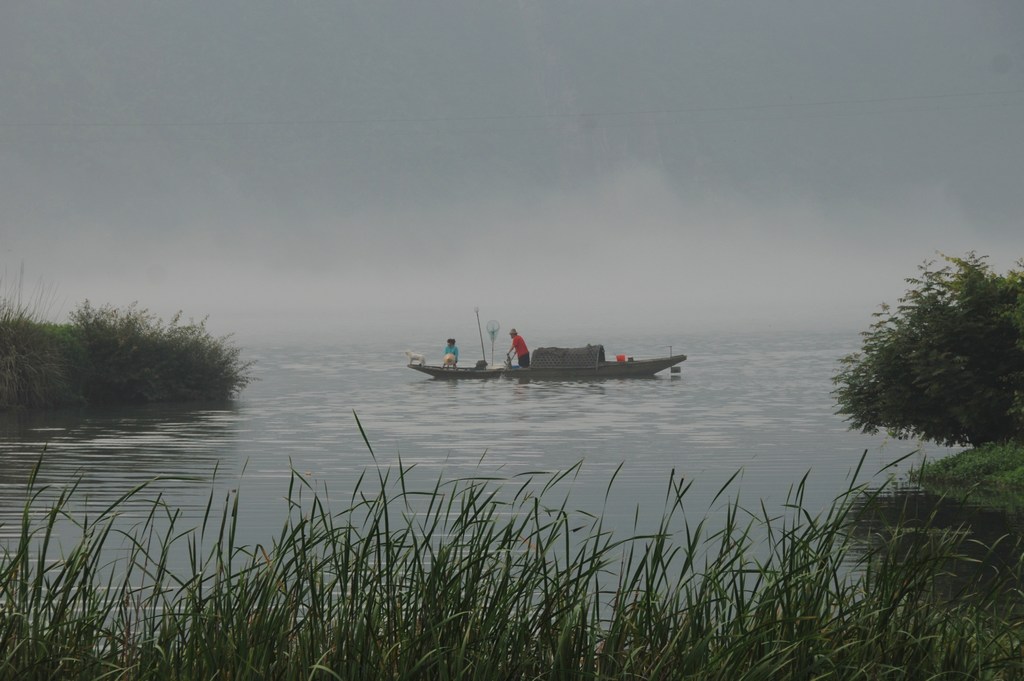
(567, 358)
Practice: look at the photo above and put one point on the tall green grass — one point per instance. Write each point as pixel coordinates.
(488, 579)
(32, 363)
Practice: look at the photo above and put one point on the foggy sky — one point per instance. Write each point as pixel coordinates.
(330, 163)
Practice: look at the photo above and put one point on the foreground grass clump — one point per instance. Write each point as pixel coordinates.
(468, 580)
(992, 474)
(110, 355)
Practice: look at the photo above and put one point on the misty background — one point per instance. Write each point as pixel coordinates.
(322, 166)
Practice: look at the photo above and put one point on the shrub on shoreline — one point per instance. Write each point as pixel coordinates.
(133, 357)
(110, 355)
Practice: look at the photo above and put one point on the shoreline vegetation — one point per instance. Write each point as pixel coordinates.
(990, 475)
(492, 579)
(106, 355)
(946, 364)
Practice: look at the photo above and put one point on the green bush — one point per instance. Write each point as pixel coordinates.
(69, 345)
(132, 356)
(107, 355)
(947, 363)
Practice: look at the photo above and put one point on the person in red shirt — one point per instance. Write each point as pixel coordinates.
(519, 346)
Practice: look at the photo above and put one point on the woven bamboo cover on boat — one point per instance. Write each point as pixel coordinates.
(567, 358)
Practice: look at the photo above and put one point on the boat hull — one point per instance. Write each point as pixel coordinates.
(450, 374)
(641, 368)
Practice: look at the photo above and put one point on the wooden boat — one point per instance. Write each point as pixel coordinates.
(562, 364)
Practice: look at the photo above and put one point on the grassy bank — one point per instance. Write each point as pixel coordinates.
(110, 355)
(992, 475)
(472, 579)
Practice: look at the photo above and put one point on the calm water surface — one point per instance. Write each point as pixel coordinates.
(757, 404)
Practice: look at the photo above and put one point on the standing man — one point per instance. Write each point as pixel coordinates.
(519, 346)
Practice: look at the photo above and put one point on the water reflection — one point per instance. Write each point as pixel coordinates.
(110, 451)
(990, 546)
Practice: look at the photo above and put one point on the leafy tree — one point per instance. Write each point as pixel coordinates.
(947, 363)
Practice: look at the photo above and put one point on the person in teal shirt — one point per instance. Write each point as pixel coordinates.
(451, 349)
